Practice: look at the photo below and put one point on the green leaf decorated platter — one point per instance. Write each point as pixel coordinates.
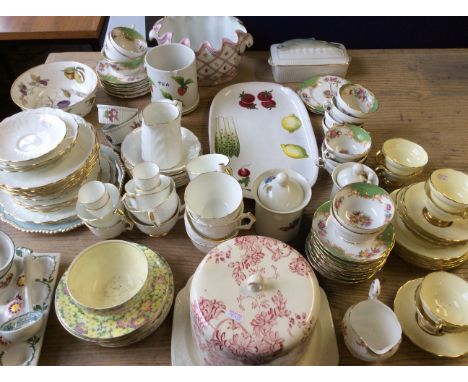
(262, 125)
(317, 91)
(44, 271)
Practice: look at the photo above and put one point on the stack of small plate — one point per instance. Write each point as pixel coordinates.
(421, 243)
(141, 314)
(131, 154)
(46, 155)
(339, 260)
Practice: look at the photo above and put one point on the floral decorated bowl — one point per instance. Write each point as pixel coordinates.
(363, 207)
(347, 142)
(356, 100)
(67, 85)
(108, 275)
(218, 43)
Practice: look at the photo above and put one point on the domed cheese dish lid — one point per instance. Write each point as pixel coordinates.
(252, 299)
(280, 192)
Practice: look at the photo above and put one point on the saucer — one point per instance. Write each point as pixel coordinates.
(367, 251)
(107, 74)
(131, 151)
(451, 345)
(413, 202)
(316, 92)
(321, 348)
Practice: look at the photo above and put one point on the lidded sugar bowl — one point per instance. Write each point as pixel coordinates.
(280, 197)
(253, 300)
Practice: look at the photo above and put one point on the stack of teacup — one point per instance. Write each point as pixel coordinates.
(433, 312)
(151, 200)
(351, 236)
(400, 161)
(100, 208)
(344, 143)
(119, 121)
(122, 73)
(432, 221)
(214, 210)
(352, 104)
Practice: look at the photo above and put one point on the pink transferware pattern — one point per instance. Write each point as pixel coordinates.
(234, 324)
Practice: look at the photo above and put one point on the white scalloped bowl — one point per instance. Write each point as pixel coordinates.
(67, 85)
(218, 43)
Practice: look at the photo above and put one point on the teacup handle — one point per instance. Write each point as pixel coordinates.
(247, 216)
(128, 222)
(379, 157)
(320, 163)
(153, 219)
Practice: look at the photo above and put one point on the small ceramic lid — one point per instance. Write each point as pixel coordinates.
(308, 52)
(280, 192)
(257, 295)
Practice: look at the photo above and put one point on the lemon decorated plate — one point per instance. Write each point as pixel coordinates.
(259, 126)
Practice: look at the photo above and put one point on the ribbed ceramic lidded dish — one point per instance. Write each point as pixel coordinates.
(253, 300)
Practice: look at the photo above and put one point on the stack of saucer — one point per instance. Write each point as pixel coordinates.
(46, 155)
(115, 293)
(431, 223)
(131, 154)
(399, 162)
(352, 103)
(122, 73)
(344, 143)
(351, 236)
(100, 208)
(151, 200)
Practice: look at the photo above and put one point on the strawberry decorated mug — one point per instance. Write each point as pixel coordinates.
(172, 71)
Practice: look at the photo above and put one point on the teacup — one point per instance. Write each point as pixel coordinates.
(330, 120)
(213, 198)
(348, 173)
(402, 157)
(110, 52)
(371, 329)
(146, 176)
(113, 231)
(442, 303)
(94, 196)
(164, 228)
(8, 269)
(115, 134)
(146, 200)
(173, 74)
(347, 143)
(208, 163)
(363, 208)
(341, 116)
(329, 163)
(219, 231)
(356, 100)
(449, 191)
(115, 115)
(128, 42)
(350, 236)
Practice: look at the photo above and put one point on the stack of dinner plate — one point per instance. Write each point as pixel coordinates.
(423, 239)
(340, 258)
(45, 156)
(92, 307)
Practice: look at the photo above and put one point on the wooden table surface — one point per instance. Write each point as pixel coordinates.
(423, 96)
(50, 27)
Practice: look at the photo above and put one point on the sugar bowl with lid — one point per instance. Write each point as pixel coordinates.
(280, 197)
(245, 294)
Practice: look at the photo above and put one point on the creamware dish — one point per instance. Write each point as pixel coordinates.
(67, 85)
(119, 327)
(448, 345)
(107, 275)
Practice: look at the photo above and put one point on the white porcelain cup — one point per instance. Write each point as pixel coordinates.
(338, 114)
(110, 52)
(146, 176)
(163, 229)
(350, 172)
(111, 232)
(161, 137)
(173, 74)
(93, 196)
(213, 198)
(146, 200)
(208, 163)
(128, 42)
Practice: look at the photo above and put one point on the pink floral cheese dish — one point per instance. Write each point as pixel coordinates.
(253, 300)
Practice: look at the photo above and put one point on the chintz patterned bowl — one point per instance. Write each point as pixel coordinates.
(363, 208)
(67, 85)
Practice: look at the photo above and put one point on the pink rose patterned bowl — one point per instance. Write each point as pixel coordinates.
(218, 43)
(245, 307)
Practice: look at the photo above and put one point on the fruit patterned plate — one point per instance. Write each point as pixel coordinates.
(44, 273)
(259, 126)
(316, 92)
